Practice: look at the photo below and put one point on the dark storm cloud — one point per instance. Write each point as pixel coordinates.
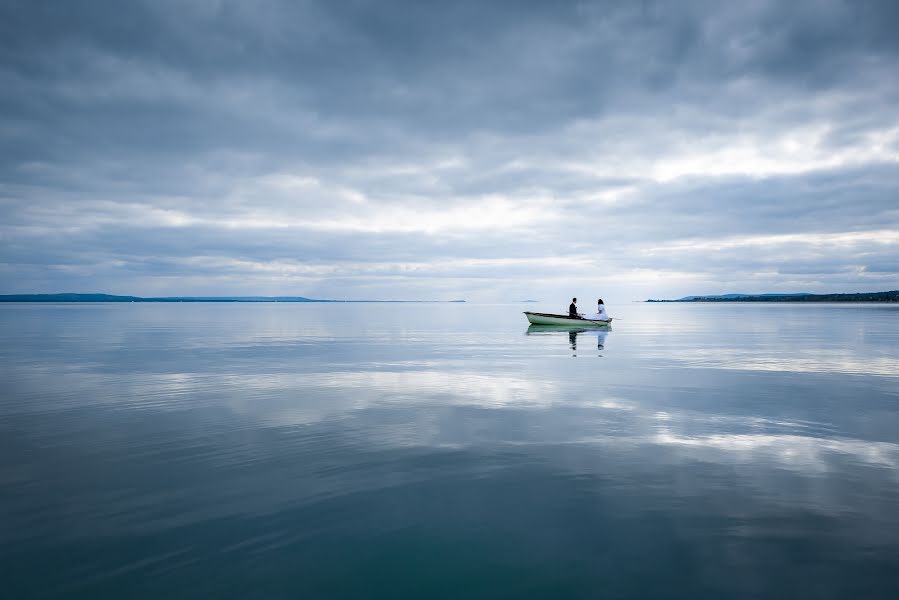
(186, 76)
(150, 142)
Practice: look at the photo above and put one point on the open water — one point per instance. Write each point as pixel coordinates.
(445, 451)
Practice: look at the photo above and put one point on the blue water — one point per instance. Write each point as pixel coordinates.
(444, 451)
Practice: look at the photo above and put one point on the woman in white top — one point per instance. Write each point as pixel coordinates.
(600, 311)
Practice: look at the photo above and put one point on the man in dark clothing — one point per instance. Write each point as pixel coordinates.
(572, 309)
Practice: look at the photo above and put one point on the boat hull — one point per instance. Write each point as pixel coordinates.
(549, 319)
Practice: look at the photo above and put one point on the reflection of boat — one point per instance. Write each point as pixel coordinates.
(550, 319)
(573, 331)
(537, 329)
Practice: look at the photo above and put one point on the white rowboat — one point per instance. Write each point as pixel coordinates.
(549, 319)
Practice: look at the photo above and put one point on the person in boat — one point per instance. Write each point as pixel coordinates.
(572, 309)
(601, 313)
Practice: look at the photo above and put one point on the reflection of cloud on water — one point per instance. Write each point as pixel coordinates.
(463, 387)
(431, 408)
(311, 397)
(434, 408)
(801, 453)
(326, 435)
(437, 412)
(802, 360)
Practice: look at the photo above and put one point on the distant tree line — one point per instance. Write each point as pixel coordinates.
(892, 296)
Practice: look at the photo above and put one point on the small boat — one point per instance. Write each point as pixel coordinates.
(550, 319)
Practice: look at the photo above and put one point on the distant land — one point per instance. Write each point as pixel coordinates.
(892, 296)
(112, 298)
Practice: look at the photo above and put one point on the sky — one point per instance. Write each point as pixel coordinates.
(492, 151)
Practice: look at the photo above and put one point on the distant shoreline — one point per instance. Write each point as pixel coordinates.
(891, 296)
(245, 299)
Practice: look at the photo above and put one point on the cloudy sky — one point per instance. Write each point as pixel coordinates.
(491, 151)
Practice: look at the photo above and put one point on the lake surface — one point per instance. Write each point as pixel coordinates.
(444, 451)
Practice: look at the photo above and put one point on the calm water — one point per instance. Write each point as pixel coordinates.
(443, 451)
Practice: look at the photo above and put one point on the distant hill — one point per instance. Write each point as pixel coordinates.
(738, 296)
(112, 298)
(892, 296)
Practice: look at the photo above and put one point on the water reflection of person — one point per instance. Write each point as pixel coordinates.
(601, 339)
